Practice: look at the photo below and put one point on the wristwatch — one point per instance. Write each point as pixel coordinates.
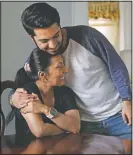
(52, 113)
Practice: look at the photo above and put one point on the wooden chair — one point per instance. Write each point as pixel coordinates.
(4, 85)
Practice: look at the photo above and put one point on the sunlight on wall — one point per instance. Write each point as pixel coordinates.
(109, 29)
(105, 17)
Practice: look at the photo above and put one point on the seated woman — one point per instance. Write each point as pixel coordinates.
(54, 110)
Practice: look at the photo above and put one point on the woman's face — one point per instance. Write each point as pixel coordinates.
(56, 71)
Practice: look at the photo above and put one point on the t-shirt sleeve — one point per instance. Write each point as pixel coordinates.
(68, 99)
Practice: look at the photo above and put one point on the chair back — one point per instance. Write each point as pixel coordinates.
(4, 85)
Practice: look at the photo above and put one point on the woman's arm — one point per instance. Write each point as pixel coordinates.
(38, 127)
(69, 121)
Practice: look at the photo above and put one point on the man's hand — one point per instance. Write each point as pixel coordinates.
(21, 98)
(126, 112)
(35, 106)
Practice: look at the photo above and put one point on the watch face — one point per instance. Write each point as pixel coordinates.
(53, 111)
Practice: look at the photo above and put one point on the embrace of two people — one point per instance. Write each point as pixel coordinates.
(74, 81)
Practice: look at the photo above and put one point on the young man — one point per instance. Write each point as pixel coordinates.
(96, 74)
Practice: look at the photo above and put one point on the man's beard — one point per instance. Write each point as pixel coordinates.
(60, 50)
(63, 44)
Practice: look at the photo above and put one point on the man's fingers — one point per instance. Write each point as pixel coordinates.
(21, 90)
(22, 105)
(25, 110)
(124, 118)
(129, 120)
(26, 101)
(35, 96)
(26, 95)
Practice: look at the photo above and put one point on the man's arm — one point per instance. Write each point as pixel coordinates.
(117, 70)
(115, 64)
(20, 98)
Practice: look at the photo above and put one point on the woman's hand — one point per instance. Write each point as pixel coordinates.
(35, 106)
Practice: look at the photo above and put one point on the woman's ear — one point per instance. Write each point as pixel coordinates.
(42, 75)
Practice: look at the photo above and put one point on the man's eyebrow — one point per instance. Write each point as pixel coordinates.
(50, 38)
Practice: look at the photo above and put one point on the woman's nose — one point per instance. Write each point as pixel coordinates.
(65, 69)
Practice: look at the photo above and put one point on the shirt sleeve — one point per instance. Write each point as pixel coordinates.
(115, 64)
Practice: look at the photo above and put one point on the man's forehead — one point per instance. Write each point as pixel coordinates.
(46, 33)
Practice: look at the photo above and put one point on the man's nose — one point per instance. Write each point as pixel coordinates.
(52, 43)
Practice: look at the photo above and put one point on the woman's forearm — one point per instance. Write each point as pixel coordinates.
(70, 121)
(51, 129)
(39, 128)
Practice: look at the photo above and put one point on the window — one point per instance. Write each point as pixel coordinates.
(104, 16)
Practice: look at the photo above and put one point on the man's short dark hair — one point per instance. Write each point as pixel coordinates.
(39, 15)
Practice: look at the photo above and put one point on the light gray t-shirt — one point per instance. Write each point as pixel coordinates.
(88, 76)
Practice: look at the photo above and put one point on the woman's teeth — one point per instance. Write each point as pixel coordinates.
(62, 78)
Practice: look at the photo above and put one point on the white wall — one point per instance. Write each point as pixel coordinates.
(125, 25)
(125, 33)
(79, 13)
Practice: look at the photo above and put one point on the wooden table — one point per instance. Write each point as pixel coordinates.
(65, 144)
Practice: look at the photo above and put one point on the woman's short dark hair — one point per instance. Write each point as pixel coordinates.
(38, 61)
(39, 15)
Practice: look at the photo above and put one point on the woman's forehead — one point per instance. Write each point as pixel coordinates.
(56, 59)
